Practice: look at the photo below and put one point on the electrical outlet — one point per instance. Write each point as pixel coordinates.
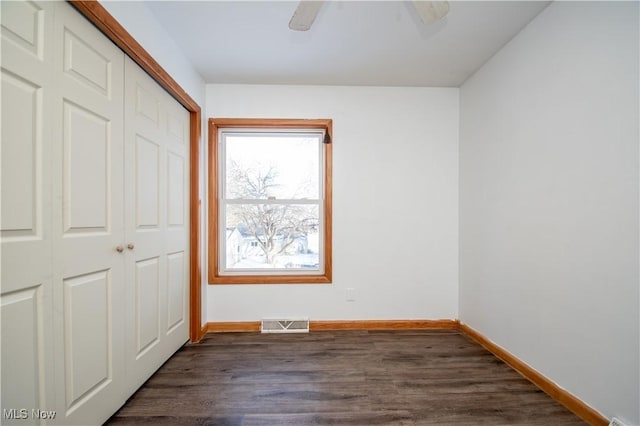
(350, 294)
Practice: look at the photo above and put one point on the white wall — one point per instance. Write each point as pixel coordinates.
(549, 201)
(140, 22)
(395, 203)
(548, 197)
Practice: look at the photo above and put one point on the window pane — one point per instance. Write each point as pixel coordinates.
(273, 166)
(272, 236)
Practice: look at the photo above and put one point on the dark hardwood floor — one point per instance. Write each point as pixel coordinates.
(339, 378)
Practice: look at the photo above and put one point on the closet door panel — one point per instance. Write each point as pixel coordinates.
(86, 63)
(87, 170)
(25, 26)
(88, 345)
(156, 298)
(89, 262)
(176, 292)
(147, 305)
(21, 143)
(176, 191)
(177, 240)
(147, 175)
(145, 220)
(26, 304)
(26, 370)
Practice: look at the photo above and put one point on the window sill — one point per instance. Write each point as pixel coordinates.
(269, 279)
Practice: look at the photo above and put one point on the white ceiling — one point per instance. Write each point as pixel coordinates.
(376, 43)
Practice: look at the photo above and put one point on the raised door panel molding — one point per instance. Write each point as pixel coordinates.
(23, 353)
(176, 285)
(147, 105)
(177, 129)
(87, 170)
(147, 174)
(147, 305)
(176, 197)
(88, 313)
(22, 124)
(23, 25)
(86, 64)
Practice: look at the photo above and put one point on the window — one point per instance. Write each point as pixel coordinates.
(270, 201)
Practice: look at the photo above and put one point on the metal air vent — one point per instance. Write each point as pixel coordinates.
(290, 325)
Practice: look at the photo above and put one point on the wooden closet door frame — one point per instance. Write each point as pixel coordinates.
(98, 16)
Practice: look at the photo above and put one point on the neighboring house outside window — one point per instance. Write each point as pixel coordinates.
(270, 201)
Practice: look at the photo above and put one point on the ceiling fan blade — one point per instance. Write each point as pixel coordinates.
(431, 11)
(304, 15)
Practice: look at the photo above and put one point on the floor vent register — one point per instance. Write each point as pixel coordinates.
(290, 325)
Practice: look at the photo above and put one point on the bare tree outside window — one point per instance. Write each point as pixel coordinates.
(272, 211)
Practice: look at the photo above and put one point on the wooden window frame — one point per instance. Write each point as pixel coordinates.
(215, 278)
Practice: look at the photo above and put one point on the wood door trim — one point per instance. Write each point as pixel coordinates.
(575, 405)
(98, 16)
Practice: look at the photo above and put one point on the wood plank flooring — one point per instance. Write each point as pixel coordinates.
(339, 378)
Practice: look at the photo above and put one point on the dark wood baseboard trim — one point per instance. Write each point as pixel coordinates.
(233, 327)
(565, 398)
(253, 326)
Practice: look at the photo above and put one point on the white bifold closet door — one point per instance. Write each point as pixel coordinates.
(94, 294)
(26, 282)
(88, 220)
(156, 223)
